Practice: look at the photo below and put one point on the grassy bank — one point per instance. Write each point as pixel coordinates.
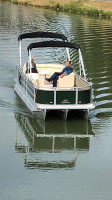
(90, 11)
(85, 7)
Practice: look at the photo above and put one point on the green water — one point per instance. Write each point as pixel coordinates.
(69, 159)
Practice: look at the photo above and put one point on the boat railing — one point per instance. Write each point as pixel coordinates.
(25, 83)
(31, 89)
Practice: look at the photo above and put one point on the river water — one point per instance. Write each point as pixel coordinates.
(64, 167)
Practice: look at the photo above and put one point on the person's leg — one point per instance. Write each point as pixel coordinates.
(56, 74)
(55, 81)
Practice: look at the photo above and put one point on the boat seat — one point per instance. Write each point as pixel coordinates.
(33, 78)
(66, 81)
(39, 79)
(49, 69)
(80, 83)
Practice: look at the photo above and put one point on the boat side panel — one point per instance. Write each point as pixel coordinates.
(44, 97)
(84, 97)
(62, 97)
(65, 97)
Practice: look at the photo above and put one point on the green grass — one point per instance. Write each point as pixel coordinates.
(83, 10)
(75, 8)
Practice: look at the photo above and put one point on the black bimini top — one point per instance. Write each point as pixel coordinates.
(42, 35)
(53, 44)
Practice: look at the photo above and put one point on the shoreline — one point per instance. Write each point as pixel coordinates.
(97, 8)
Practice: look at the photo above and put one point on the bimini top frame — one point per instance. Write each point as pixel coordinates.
(39, 35)
(50, 35)
(62, 44)
(42, 35)
(53, 43)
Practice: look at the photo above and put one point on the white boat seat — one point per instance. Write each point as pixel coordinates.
(46, 70)
(66, 81)
(34, 78)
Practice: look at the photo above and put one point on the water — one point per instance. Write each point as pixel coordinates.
(55, 167)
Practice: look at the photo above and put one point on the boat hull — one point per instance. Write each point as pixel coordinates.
(44, 101)
(63, 97)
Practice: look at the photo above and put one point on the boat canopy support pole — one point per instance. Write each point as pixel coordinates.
(29, 62)
(68, 54)
(82, 63)
(20, 50)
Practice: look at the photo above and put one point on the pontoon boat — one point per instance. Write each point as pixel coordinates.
(72, 93)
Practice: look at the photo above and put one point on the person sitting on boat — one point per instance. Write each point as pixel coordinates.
(66, 71)
(33, 67)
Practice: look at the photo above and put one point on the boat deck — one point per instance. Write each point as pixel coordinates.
(46, 70)
(88, 106)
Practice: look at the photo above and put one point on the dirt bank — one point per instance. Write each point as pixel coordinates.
(105, 5)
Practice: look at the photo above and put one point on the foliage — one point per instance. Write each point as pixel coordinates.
(76, 7)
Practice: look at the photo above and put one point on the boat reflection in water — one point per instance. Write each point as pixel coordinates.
(52, 143)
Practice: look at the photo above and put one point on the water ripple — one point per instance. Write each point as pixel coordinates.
(67, 166)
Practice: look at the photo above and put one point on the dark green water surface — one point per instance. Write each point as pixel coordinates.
(69, 159)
